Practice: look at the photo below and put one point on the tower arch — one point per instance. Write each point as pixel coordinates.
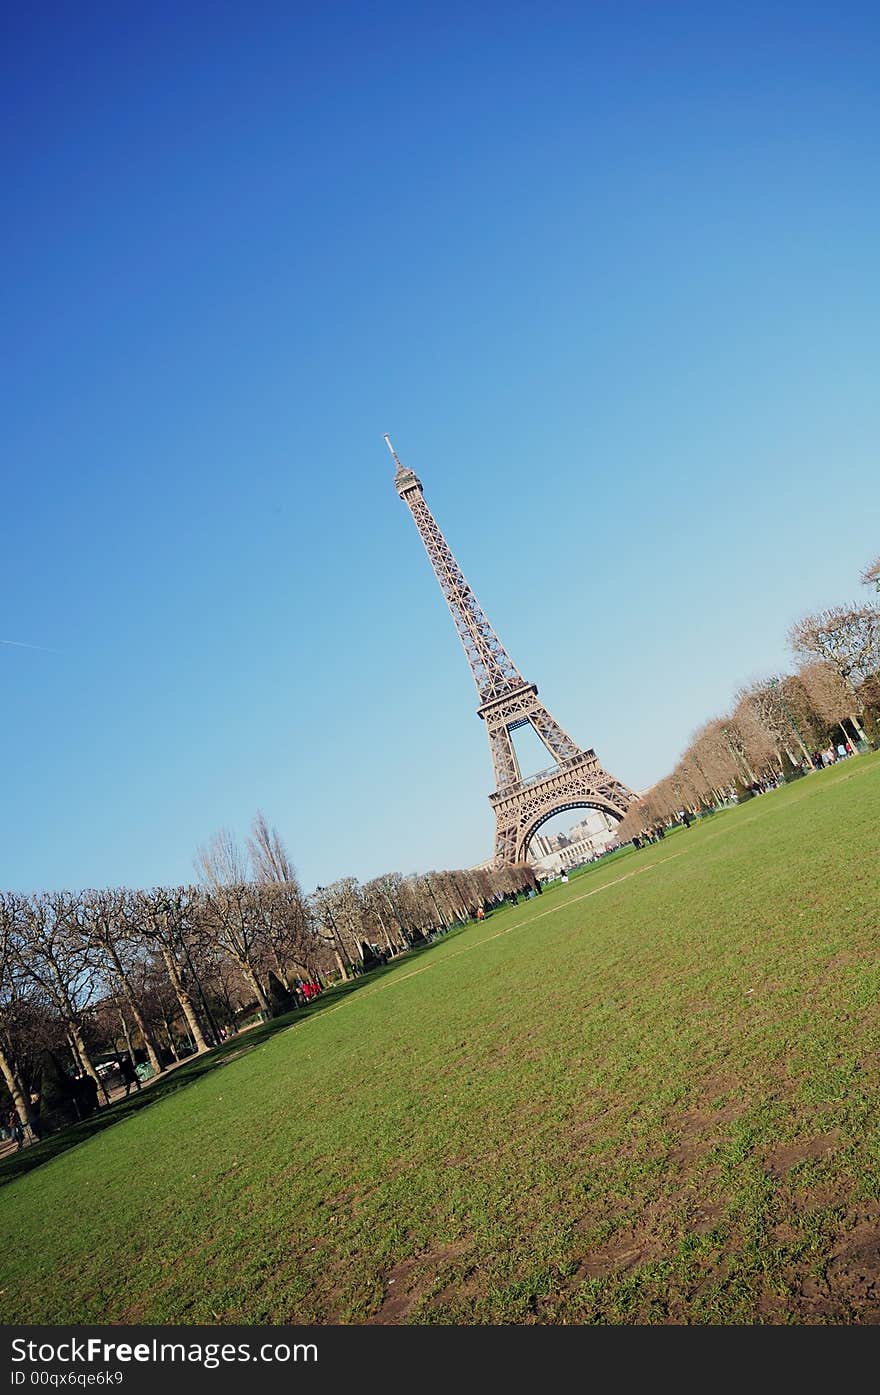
(572, 804)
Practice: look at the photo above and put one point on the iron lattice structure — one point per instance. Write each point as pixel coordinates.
(576, 780)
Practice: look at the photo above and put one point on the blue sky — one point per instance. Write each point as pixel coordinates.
(606, 273)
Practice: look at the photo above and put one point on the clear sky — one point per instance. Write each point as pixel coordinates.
(607, 273)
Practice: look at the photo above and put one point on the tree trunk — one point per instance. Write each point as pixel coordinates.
(82, 1052)
(342, 969)
(146, 1033)
(128, 1046)
(385, 934)
(171, 1047)
(15, 1088)
(77, 1061)
(807, 755)
(186, 1002)
(140, 1021)
(280, 971)
(357, 943)
(857, 728)
(255, 984)
(230, 1010)
(396, 918)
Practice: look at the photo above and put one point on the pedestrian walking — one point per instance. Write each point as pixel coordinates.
(16, 1132)
(129, 1074)
(35, 1125)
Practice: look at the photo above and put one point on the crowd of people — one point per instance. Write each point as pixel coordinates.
(649, 835)
(832, 754)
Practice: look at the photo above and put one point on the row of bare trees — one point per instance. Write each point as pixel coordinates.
(388, 911)
(778, 726)
(166, 972)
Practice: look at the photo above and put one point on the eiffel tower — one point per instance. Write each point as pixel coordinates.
(576, 780)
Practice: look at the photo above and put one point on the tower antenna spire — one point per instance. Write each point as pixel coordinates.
(394, 456)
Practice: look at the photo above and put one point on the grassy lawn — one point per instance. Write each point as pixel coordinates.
(648, 1096)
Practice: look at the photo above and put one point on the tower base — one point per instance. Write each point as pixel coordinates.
(579, 783)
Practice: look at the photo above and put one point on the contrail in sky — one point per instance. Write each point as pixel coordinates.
(19, 644)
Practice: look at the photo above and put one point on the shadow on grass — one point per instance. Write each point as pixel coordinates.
(36, 1154)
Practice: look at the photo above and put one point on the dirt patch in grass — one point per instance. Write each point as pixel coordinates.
(853, 1270)
(706, 1217)
(840, 960)
(626, 1251)
(691, 1148)
(782, 1159)
(634, 1242)
(408, 1283)
(699, 1127)
(845, 1287)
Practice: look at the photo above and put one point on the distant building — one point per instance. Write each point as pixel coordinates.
(552, 853)
(556, 853)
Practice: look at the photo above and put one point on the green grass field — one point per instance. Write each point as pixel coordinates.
(649, 1096)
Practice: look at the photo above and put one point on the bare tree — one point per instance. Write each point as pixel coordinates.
(717, 753)
(845, 637)
(159, 1001)
(230, 911)
(222, 861)
(105, 923)
(269, 856)
(830, 697)
(288, 942)
(162, 917)
(50, 951)
(328, 931)
(758, 741)
(381, 909)
(232, 916)
(871, 574)
(11, 910)
(397, 893)
(289, 932)
(339, 909)
(768, 702)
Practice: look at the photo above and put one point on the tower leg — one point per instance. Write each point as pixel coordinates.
(505, 845)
